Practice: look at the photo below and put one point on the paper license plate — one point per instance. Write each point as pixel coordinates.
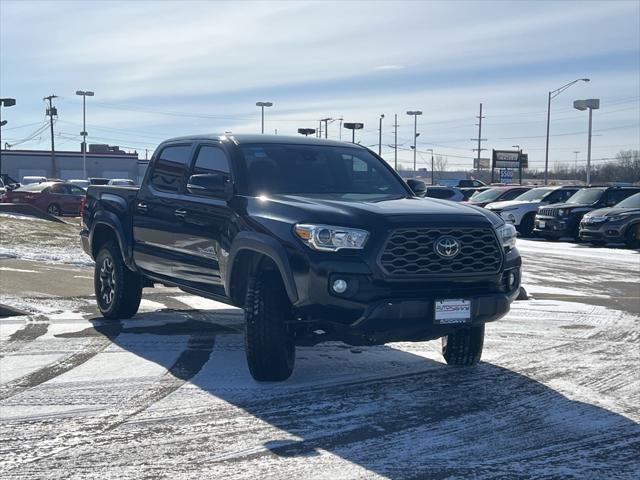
(452, 311)
(541, 224)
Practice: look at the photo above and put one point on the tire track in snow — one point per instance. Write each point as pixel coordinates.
(188, 364)
(28, 333)
(63, 365)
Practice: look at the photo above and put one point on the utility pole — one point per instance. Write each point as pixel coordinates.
(395, 142)
(51, 111)
(415, 114)
(380, 136)
(326, 126)
(575, 166)
(340, 133)
(480, 140)
(432, 167)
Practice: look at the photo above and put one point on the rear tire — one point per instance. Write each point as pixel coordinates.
(463, 347)
(270, 348)
(633, 236)
(118, 289)
(54, 210)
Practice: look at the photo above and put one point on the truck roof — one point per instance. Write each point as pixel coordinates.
(240, 139)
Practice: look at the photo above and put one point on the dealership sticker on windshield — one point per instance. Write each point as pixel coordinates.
(452, 311)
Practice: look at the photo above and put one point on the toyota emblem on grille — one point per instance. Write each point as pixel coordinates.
(447, 247)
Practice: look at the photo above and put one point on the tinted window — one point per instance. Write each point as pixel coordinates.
(586, 195)
(511, 194)
(559, 196)
(76, 190)
(59, 189)
(439, 193)
(616, 196)
(170, 166)
(631, 202)
(211, 160)
(335, 172)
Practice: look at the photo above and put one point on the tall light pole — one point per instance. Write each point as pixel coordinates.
(380, 136)
(554, 94)
(591, 104)
(4, 102)
(415, 114)
(262, 105)
(84, 94)
(575, 166)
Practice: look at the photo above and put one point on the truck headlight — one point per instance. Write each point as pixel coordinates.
(507, 235)
(329, 238)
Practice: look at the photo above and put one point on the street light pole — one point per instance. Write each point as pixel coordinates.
(415, 114)
(591, 105)
(575, 166)
(519, 162)
(84, 94)
(380, 136)
(4, 102)
(432, 166)
(262, 105)
(553, 94)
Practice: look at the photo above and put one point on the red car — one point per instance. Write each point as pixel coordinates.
(56, 198)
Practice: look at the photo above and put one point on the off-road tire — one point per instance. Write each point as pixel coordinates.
(526, 225)
(269, 347)
(118, 289)
(464, 346)
(55, 210)
(633, 236)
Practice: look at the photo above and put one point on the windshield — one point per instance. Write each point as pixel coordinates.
(586, 195)
(343, 173)
(534, 194)
(632, 202)
(487, 195)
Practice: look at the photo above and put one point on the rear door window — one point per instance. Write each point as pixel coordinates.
(511, 194)
(170, 168)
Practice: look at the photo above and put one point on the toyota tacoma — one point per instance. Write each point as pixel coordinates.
(315, 239)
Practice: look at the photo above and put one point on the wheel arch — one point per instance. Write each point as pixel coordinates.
(107, 227)
(251, 252)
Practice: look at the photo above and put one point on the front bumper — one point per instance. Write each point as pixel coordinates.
(602, 231)
(375, 310)
(554, 227)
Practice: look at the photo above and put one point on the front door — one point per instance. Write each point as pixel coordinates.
(207, 224)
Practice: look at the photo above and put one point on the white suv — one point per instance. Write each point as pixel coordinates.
(521, 211)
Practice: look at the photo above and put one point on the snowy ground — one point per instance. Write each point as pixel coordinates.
(168, 395)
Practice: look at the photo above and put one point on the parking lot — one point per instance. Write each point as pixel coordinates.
(167, 394)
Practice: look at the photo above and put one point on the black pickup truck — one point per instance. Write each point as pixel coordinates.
(315, 239)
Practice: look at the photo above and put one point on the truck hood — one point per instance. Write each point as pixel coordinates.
(294, 209)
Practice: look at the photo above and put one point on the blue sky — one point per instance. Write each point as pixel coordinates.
(162, 69)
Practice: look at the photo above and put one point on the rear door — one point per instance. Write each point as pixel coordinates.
(158, 231)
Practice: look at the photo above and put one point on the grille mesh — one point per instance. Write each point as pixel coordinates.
(410, 251)
(547, 212)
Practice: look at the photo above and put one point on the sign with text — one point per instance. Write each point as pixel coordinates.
(506, 159)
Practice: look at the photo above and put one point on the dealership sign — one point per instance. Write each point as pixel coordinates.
(506, 159)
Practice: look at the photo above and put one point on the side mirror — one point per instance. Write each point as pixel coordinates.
(210, 184)
(417, 187)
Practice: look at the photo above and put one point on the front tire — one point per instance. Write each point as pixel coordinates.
(463, 347)
(526, 225)
(269, 347)
(633, 236)
(118, 289)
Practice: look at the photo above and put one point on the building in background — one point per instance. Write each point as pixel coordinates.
(103, 161)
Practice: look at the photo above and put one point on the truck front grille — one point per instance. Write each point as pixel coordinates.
(410, 251)
(547, 212)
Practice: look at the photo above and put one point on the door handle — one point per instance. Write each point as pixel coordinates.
(180, 212)
(142, 207)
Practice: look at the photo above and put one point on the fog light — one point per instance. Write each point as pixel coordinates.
(339, 286)
(511, 279)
